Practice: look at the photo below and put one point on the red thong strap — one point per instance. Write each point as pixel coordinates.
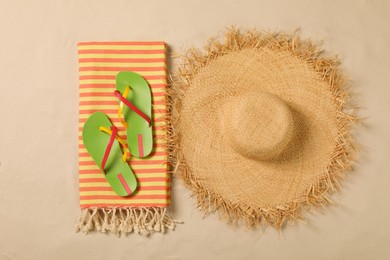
(109, 146)
(131, 106)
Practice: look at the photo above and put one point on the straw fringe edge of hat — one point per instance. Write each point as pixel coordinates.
(343, 156)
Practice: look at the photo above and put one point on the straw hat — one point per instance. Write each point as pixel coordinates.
(260, 127)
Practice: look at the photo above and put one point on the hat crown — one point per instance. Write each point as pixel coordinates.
(259, 125)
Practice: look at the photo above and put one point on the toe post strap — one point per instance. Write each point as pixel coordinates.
(123, 100)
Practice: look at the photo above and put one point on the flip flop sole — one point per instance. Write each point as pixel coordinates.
(118, 173)
(139, 132)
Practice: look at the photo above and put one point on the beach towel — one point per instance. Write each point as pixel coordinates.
(101, 209)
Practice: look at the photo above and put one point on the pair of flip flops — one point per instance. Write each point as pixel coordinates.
(106, 148)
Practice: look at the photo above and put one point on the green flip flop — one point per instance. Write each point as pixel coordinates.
(102, 143)
(135, 111)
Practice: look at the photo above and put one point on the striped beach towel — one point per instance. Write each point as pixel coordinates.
(101, 209)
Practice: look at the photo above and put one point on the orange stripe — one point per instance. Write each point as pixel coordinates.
(156, 146)
(122, 128)
(91, 111)
(148, 162)
(137, 69)
(115, 197)
(110, 94)
(84, 86)
(113, 103)
(120, 60)
(141, 188)
(122, 68)
(151, 179)
(121, 43)
(113, 111)
(87, 163)
(121, 51)
(82, 155)
(113, 77)
(101, 103)
(136, 171)
(113, 205)
(144, 162)
(124, 137)
(116, 120)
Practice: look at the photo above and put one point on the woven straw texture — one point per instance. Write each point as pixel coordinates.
(260, 127)
(101, 208)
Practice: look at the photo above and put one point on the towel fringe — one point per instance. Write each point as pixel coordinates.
(144, 221)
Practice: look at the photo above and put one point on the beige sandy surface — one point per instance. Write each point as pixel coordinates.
(38, 133)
